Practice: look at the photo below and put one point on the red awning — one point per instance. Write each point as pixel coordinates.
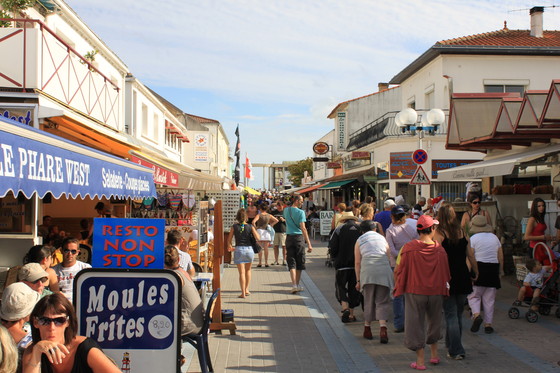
(310, 189)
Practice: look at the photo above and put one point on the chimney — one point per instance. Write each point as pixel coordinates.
(382, 86)
(536, 13)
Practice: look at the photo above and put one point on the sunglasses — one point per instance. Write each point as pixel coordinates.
(475, 202)
(44, 279)
(73, 252)
(58, 321)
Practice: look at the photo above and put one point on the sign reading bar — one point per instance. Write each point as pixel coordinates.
(128, 243)
(161, 175)
(134, 315)
(402, 166)
(334, 165)
(360, 155)
(326, 220)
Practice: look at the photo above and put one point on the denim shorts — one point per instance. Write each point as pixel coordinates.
(243, 254)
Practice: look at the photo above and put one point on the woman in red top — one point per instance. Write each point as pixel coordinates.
(422, 275)
(535, 232)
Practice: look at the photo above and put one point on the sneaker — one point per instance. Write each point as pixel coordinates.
(294, 290)
(456, 357)
(345, 316)
(299, 288)
(476, 324)
(383, 337)
(488, 330)
(367, 332)
(398, 330)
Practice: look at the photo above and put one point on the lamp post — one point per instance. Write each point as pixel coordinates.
(407, 121)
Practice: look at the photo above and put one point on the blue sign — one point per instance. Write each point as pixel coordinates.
(35, 161)
(134, 316)
(128, 243)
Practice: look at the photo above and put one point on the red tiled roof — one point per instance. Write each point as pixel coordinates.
(507, 38)
(202, 119)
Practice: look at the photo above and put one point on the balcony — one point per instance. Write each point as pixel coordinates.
(35, 59)
(381, 128)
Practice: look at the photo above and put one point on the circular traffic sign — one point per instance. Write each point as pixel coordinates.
(420, 156)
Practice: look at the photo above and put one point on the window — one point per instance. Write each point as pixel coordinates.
(504, 88)
(16, 214)
(429, 100)
(145, 124)
(449, 190)
(156, 128)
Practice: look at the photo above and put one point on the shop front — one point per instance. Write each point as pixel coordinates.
(42, 174)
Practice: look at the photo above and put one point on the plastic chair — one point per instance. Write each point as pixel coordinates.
(200, 340)
(197, 267)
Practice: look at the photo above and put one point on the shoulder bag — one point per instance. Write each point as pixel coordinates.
(256, 247)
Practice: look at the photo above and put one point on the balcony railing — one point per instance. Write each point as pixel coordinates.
(34, 58)
(382, 127)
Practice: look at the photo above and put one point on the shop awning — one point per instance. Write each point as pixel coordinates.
(196, 180)
(501, 165)
(162, 175)
(252, 191)
(310, 189)
(337, 184)
(33, 161)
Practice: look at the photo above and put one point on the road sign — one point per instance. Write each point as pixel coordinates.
(420, 156)
(420, 177)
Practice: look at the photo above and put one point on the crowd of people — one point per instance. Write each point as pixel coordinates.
(424, 263)
(38, 319)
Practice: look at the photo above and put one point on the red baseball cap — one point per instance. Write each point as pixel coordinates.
(426, 221)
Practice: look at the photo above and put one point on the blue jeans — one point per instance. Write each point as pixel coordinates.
(398, 312)
(453, 308)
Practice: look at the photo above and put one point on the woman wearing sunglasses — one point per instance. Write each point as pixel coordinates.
(56, 346)
(474, 202)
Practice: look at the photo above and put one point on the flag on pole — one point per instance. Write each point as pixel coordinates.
(237, 171)
(248, 168)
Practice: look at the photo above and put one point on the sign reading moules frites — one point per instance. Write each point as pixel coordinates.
(134, 315)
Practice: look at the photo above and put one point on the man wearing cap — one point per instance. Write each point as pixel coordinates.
(341, 247)
(34, 276)
(422, 275)
(18, 301)
(384, 217)
(70, 266)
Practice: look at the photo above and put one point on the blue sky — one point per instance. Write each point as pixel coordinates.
(278, 67)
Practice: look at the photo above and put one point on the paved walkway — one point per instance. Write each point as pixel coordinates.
(282, 332)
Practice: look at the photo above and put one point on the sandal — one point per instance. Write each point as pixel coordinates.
(259, 265)
(417, 367)
(434, 361)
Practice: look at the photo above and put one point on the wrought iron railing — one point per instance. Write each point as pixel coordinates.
(383, 127)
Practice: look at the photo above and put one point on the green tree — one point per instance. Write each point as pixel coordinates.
(15, 6)
(297, 170)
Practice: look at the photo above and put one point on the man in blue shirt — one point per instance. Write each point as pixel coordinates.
(295, 241)
(384, 217)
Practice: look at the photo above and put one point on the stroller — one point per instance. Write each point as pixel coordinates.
(550, 291)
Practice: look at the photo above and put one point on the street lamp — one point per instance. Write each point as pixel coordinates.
(407, 121)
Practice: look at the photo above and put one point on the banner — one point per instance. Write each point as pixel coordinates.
(128, 243)
(34, 161)
(248, 168)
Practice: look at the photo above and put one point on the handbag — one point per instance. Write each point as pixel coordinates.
(256, 247)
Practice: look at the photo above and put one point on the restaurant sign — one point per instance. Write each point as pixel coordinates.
(360, 155)
(402, 166)
(333, 165)
(444, 164)
(161, 175)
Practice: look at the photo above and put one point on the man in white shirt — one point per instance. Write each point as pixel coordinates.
(175, 238)
(70, 266)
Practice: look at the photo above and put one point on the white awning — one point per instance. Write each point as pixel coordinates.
(501, 165)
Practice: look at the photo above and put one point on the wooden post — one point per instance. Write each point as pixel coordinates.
(219, 249)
